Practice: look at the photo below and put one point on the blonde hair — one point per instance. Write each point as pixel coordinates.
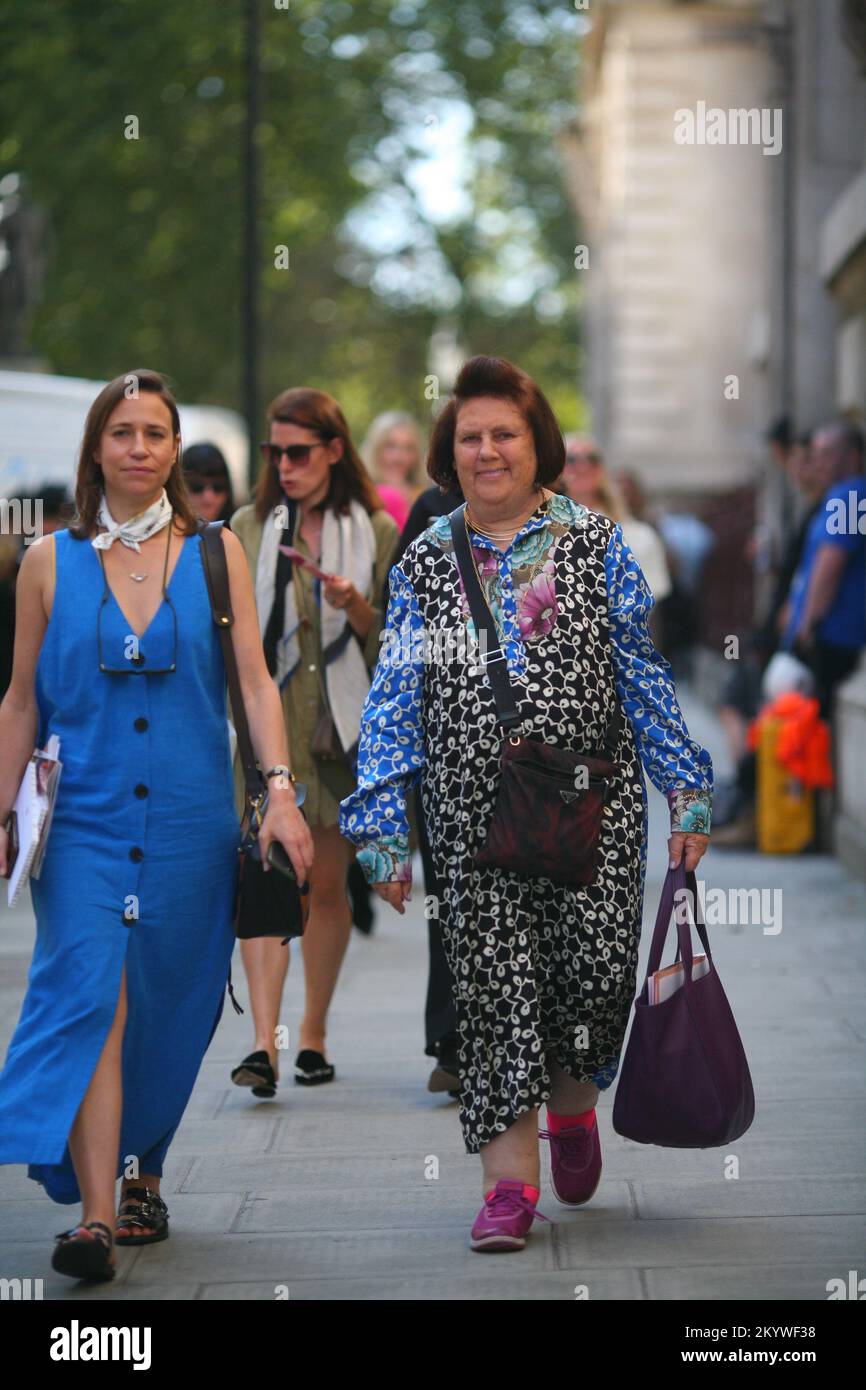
(374, 442)
(612, 502)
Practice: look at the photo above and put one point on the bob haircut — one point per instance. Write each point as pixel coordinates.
(317, 411)
(494, 376)
(89, 482)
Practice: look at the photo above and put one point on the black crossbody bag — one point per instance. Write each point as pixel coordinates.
(548, 814)
(272, 902)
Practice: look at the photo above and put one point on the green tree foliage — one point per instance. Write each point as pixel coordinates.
(361, 104)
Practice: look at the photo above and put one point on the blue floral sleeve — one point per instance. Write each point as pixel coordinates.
(391, 744)
(677, 765)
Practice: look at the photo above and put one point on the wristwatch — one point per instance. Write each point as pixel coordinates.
(279, 770)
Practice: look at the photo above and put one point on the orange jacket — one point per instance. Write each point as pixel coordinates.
(803, 743)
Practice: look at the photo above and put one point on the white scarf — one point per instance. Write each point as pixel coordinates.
(136, 529)
(349, 550)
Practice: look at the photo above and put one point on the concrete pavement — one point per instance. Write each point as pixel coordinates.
(362, 1189)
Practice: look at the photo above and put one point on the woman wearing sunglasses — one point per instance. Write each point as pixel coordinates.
(208, 482)
(117, 654)
(320, 616)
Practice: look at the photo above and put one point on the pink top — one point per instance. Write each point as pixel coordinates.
(395, 504)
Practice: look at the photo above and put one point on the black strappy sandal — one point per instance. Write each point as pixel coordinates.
(311, 1069)
(82, 1258)
(256, 1071)
(147, 1212)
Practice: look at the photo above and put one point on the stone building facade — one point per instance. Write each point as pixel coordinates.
(718, 173)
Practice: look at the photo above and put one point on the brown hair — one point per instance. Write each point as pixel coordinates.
(89, 482)
(317, 411)
(494, 376)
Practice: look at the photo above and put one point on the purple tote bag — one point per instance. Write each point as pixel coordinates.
(684, 1081)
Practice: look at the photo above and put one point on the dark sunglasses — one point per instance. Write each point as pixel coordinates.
(295, 453)
(219, 488)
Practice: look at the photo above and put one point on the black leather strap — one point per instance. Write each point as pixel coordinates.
(491, 655)
(614, 729)
(217, 576)
(504, 691)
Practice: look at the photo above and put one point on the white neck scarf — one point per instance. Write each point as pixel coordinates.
(136, 529)
(348, 549)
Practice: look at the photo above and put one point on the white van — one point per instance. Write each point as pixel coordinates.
(42, 423)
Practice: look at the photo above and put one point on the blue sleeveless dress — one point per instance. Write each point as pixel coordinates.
(139, 868)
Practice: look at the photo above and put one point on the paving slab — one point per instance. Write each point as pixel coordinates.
(324, 1193)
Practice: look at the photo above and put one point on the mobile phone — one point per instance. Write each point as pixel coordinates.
(298, 558)
(278, 859)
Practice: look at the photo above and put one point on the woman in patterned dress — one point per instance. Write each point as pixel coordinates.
(544, 974)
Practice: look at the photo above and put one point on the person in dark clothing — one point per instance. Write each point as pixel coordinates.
(440, 1021)
(734, 819)
(824, 621)
(432, 502)
(831, 464)
(8, 572)
(55, 510)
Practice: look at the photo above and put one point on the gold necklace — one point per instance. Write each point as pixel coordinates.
(502, 535)
(139, 578)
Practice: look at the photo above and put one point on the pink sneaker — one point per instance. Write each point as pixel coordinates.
(575, 1163)
(505, 1218)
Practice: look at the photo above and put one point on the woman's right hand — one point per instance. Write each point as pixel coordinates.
(396, 893)
(283, 822)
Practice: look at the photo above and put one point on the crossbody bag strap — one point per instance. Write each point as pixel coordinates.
(614, 729)
(492, 658)
(217, 576)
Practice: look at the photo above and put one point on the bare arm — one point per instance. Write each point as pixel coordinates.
(264, 710)
(830, 562)
(19, 715)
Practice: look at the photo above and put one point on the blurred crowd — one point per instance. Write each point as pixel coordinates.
(777, 701)
(806, 641)
(809, 638)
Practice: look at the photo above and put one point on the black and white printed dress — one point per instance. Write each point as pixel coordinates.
(540, 970)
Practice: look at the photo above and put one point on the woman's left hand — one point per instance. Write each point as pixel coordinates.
(283, 821)
(687, 843)
(339, 592)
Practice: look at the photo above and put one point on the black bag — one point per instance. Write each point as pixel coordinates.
(548, 814)
(268, 903)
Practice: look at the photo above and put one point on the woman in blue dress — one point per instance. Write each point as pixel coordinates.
(116, 653)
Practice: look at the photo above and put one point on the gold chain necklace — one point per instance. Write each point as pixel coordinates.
(501, 535)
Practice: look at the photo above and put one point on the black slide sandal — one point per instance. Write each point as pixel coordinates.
(256, 1071)
(311, 1069)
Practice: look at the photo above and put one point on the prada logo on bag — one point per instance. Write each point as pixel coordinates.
(568, 797)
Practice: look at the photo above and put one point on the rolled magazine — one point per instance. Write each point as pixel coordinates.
(32, 815)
